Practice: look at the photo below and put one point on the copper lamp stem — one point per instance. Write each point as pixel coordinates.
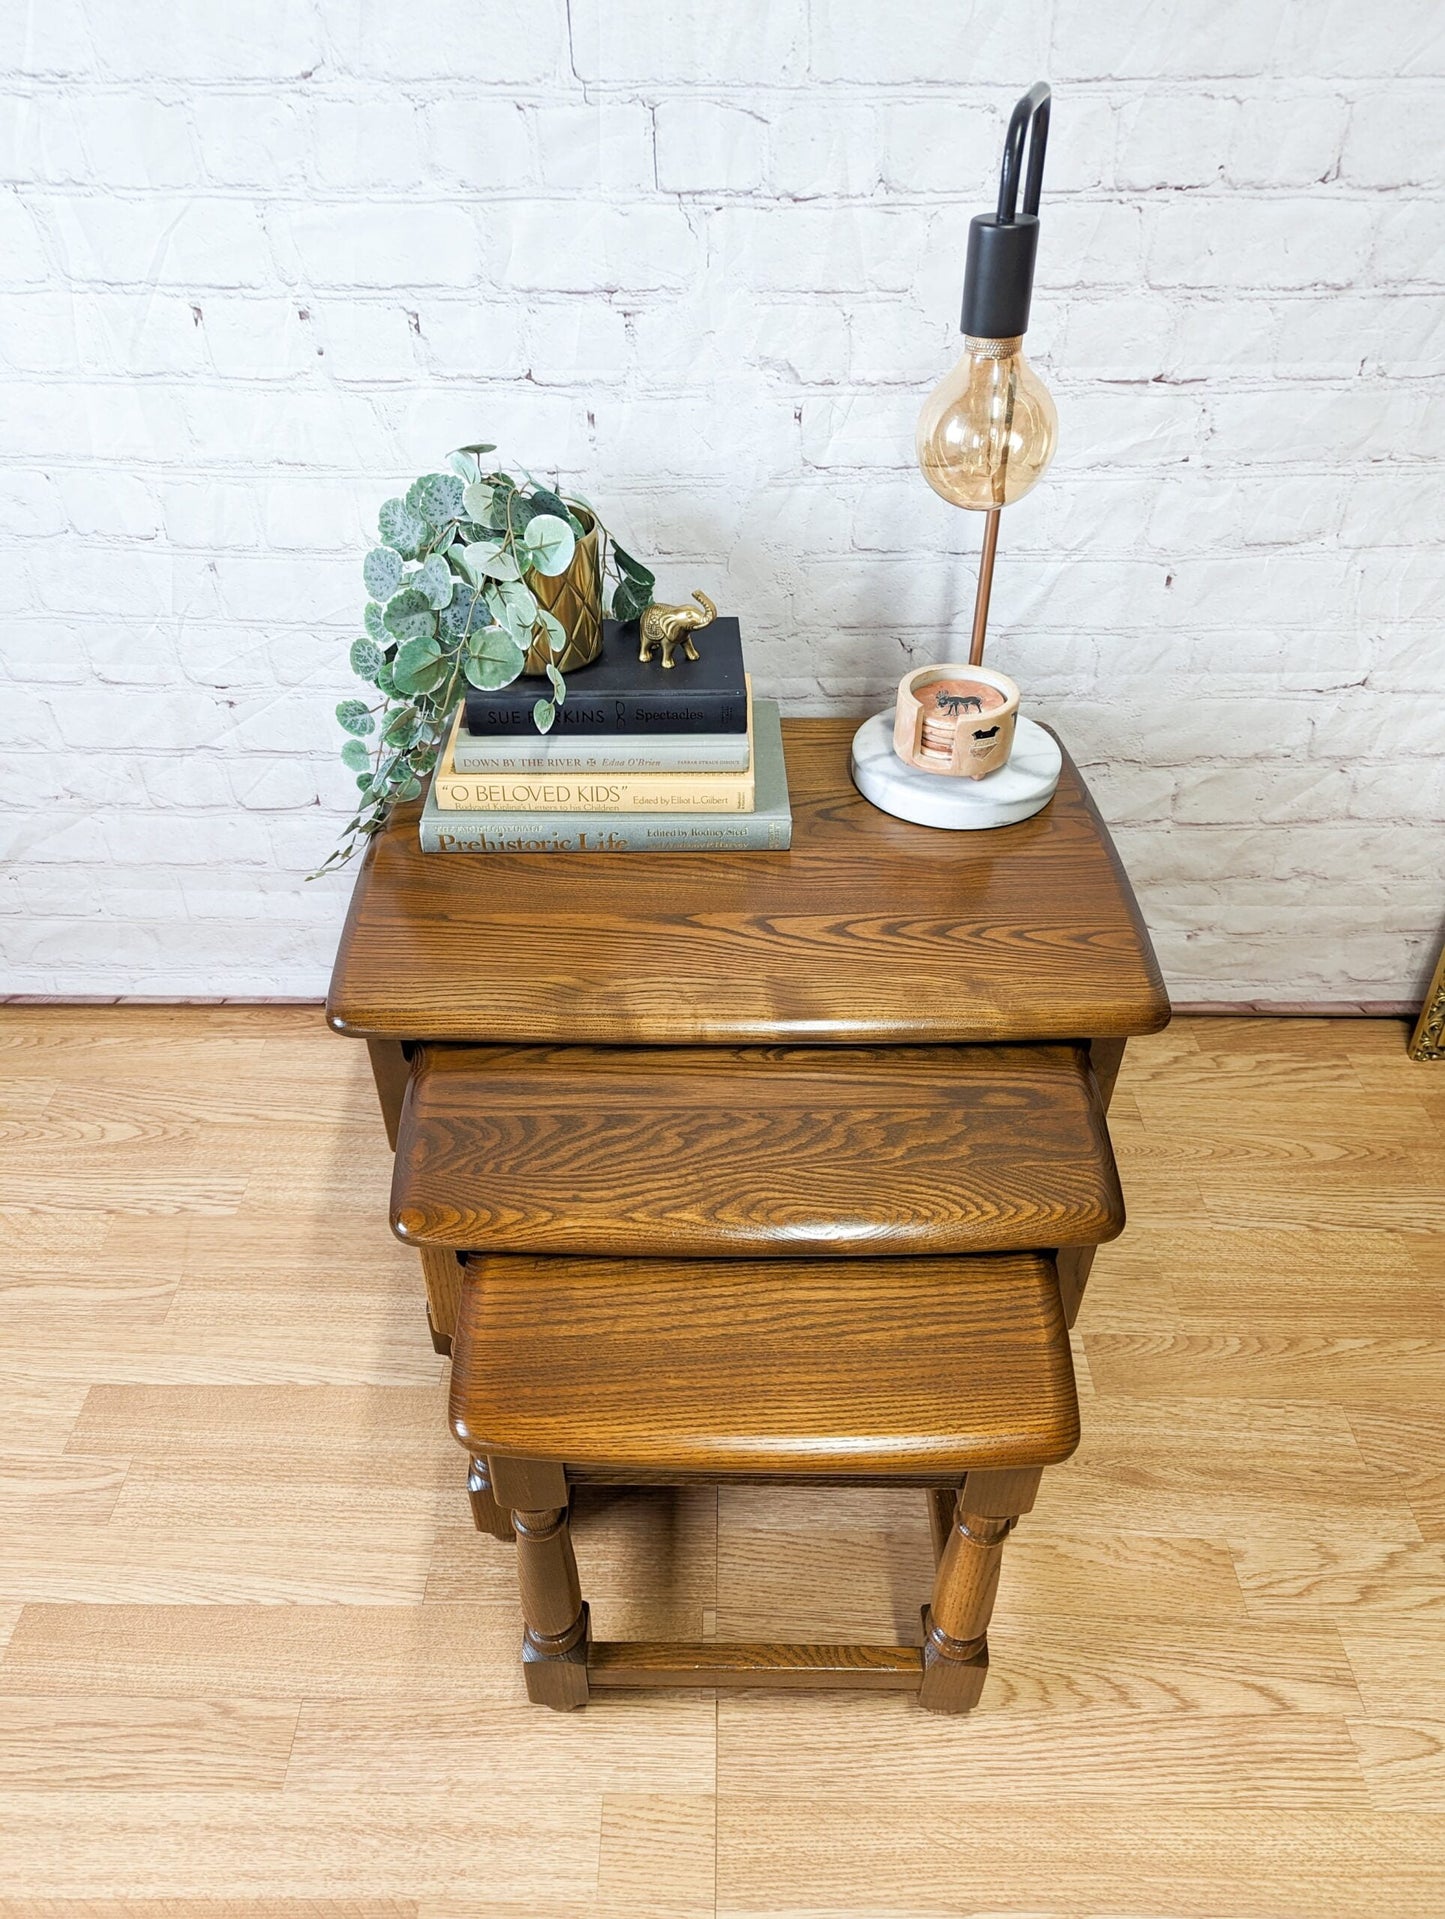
(985, 586)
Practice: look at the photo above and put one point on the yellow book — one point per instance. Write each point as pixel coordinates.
(592, 792)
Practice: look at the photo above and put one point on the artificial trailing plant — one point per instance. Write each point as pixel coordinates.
(449, 606)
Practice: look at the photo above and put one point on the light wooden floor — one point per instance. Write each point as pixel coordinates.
(256, 1662)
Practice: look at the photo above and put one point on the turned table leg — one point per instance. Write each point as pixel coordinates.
(555, 1638)
(955, 1623)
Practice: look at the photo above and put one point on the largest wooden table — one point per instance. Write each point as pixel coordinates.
(869, 931)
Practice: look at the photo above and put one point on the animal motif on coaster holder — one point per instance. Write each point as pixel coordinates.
(669, 627)
(957, 720)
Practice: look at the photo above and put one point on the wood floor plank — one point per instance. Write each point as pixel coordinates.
(215, 1563)
(1410, 1442)
(656, 1744)
(157, 1421)
(805, 1856)
(106, 1193)
(278, 1908)
(74, 1490)
(850, 1746)
(658, 1857)
(405, 1843)
(1398, 1664)
(126, 1743)
(1238, 1365)
(1139, 1665)
(38, 1414)
(1339, 1574)
(1403, 1761)
(1227, 1468)
(296, 1651)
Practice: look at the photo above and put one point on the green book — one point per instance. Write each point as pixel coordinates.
(768, 828)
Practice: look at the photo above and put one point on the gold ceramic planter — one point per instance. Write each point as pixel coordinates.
(574, 598)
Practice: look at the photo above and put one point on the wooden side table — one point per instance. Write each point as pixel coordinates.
(868, 932)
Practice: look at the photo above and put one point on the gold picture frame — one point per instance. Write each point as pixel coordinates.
(1428, 1039)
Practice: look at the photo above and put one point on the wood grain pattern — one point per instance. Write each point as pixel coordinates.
(823, 1152)
(870, 931)
(291, 1532)
(549, 1355)
(126, 1743)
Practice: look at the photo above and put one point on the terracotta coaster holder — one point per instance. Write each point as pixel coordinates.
(951, 732)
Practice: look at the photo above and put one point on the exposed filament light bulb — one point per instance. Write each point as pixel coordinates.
(988, 429)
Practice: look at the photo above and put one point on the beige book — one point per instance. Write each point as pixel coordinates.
(591, 792)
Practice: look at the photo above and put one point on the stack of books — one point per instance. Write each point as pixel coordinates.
(638, 760)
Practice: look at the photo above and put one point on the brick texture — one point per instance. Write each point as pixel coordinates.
(260, 264)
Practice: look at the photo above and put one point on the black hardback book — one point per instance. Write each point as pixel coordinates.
(618, 694)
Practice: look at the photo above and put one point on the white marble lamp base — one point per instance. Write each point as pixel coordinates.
(1016, 792)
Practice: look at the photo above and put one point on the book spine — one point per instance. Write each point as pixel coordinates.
(627, 793)
(689, 753)
(505, 716)
(603, 833)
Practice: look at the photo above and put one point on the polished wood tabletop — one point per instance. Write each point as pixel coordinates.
(868, 931)
(926, 1368)
(706, 1152)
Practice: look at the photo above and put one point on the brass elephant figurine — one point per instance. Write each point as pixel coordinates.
(672, 626)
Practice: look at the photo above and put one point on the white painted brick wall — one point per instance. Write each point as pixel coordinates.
(261, 263)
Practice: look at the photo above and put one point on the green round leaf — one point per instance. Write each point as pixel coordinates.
(403, 529)
(355, 756)
(477, 500)
(549, 544)
(402, 729)
(356, 717)
(409, 615)
(490, 560)
(553, 630)
(418, 665)
(381, 570)
(482, 446)
(495, 662)
(468, 610)
(436, 497)
(374, 620)
(367, 659)
(504, 491)
(543, 714)
(517, 599)
(434, 580)
(546, 501)
(559, 685)
(410, 789)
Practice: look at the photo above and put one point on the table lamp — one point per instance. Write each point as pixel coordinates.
(954, 752)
